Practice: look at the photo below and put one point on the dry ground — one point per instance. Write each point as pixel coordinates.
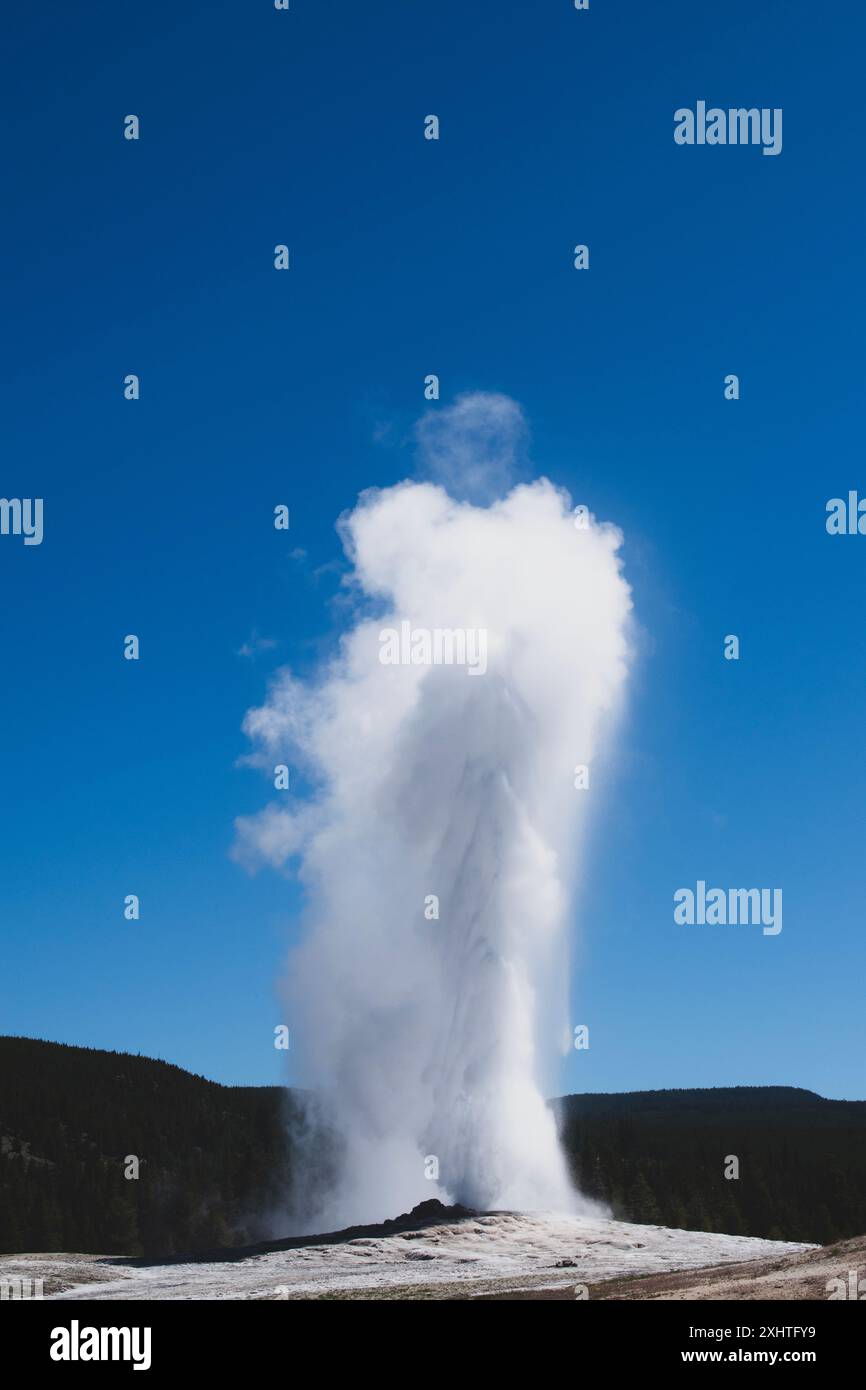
(808, 1275)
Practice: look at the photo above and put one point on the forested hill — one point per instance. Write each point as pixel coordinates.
(215, 1161)
(660, 1157)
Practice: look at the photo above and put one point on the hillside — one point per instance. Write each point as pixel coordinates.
(659, 1156)
(213, 1158)
(216, 1160)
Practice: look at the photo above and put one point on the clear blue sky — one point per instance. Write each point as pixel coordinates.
(409, 257)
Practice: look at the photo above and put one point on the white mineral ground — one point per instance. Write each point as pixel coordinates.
(504, 1254)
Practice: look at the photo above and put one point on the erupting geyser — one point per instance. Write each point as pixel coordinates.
(439, 789)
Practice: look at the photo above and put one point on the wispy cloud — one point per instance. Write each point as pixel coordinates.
(256, 646)
(475, 448)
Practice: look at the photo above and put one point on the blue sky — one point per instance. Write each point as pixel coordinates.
(410, 257)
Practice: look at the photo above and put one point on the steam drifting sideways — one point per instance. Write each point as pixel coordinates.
(439, 851)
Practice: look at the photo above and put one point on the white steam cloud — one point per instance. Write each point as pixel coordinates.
(475, 448)
(431, 1037)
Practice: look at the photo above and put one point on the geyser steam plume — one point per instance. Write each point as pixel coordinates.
(430, 1036)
